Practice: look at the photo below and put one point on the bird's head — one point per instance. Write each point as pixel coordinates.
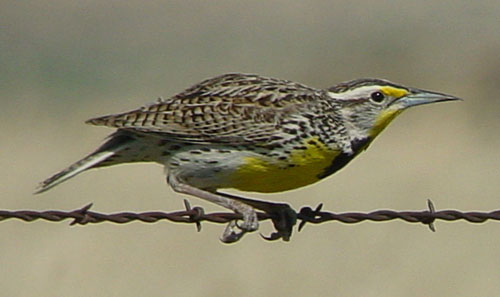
(369, 105)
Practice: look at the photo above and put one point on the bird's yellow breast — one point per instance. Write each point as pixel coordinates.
(301, 168)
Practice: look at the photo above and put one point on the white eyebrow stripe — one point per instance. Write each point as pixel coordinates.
(361, 92)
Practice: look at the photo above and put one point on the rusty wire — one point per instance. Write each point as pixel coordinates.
(197, 215)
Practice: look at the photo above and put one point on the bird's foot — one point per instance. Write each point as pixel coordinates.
(234, 231)
(283, 218)
(282, 215)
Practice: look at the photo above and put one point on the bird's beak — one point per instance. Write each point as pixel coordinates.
(419, 97)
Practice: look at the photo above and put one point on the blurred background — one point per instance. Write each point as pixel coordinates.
(62, 62)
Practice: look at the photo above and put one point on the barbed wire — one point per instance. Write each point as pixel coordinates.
(196, 215)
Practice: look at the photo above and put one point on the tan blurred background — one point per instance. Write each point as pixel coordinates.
(62, 62)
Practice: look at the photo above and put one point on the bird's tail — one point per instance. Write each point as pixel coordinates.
(105, 155)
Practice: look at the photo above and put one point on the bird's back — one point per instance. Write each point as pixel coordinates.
(263, 134)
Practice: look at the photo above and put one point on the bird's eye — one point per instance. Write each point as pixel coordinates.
(377, 97)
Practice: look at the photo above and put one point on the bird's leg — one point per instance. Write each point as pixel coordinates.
(283, 216)
(231, 234)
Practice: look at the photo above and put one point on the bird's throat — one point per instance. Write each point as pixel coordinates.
(383, 121)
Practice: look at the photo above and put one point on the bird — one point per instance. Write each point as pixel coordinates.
(250, 133)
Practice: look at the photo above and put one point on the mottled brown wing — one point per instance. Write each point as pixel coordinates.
(232, 108)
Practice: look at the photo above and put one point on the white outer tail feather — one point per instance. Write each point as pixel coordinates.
(115, 144)
(76, 168)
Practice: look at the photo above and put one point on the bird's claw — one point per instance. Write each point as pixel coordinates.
(273, 237)
(283, 218)
(234, 231)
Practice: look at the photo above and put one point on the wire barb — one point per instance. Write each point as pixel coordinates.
(306, 214)
(196, 215)
(432, 210)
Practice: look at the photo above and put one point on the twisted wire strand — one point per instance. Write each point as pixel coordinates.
(197, 215)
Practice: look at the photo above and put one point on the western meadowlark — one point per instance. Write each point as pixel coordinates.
(250, 133)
